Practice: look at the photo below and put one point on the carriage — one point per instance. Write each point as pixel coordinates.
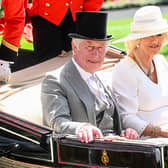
(25, 142)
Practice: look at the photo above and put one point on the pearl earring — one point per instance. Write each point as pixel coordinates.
(137, 46)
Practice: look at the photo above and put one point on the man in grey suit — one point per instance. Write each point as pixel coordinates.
(74, 100)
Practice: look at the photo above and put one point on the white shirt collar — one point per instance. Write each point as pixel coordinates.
(85, 75)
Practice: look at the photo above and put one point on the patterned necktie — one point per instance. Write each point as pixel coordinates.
(97, 89)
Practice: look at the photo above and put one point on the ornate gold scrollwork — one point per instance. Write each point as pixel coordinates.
(104, 158)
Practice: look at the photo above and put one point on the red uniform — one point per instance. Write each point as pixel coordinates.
(14, 17)
(14, 21)
(55, 10)
(52, 21)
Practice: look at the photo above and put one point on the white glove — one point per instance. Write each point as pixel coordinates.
(5, 71)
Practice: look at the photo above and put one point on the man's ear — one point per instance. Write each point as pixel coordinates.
(74, 47)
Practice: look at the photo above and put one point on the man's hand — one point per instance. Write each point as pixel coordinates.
(130, 133)
(111, 138)
(88, 132)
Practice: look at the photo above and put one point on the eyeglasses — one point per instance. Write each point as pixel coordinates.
(92, 48)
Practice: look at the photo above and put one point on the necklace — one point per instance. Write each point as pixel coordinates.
(148, 72)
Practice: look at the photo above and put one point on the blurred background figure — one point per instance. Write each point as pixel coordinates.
(52, 21)
(14, 21)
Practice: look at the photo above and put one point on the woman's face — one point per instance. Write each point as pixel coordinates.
(152, 45)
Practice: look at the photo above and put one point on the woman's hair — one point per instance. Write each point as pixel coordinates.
(132, 44)
(165, 39)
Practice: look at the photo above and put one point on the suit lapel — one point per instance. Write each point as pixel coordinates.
(72, 75)
(116, 117)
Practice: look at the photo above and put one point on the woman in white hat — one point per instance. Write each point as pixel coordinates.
(140, 81)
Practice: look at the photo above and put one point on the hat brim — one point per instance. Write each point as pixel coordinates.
(75, 35)
(135, 36)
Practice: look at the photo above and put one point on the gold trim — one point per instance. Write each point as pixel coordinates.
(9, 45)
(104, 158)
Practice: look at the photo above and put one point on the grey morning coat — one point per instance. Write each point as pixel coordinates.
(67, 103)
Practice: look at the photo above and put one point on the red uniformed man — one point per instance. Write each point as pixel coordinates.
(14, 18)
(52, 20)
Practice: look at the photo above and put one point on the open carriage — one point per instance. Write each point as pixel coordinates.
(25, 142)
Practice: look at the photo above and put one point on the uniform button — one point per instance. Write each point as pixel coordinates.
(47, 4)
(67, 4)
(71, 2)
(81, 7)
(45, 14)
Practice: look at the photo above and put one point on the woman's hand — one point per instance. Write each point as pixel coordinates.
(129, 133)
(162, 132)
(155, 131)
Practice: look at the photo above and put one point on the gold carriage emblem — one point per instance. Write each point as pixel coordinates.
(104, 158)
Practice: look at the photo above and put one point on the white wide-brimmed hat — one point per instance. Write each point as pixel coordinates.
(147, 21)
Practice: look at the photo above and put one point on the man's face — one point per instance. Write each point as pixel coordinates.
(90, 54)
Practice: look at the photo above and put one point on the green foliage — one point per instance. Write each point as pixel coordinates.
(121, 27)
(118, 28)
(1, 11)
(25, 44)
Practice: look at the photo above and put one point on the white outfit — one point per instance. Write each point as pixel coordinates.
(141, 101)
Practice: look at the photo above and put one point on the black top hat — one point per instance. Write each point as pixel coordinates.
(91, 26)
